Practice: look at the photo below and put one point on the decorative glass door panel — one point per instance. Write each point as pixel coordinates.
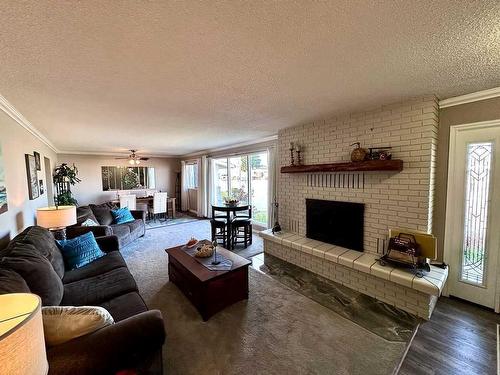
(477, 201)
(472, 238)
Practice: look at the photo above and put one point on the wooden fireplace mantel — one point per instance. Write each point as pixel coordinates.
(366, 166)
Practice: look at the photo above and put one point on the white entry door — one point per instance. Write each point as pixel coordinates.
(472, 241)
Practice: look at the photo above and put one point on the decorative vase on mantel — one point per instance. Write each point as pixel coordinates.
(358, 154)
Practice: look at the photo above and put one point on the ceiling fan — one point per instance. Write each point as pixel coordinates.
(133, 158)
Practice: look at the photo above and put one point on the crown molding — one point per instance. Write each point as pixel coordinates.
(235, 145)
(470, 98)
(14, 114)
(120, 154)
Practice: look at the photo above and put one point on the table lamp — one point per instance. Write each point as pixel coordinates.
(22, 344)
(56, 219)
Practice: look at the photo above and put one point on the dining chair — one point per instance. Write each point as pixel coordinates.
(159, 205)
(128, 201)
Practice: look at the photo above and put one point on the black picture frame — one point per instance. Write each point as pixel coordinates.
(4, 206)
(37, 161)
(31, 176)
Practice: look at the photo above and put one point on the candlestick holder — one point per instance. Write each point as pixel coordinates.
(299, 158)
(291, 156)
(215, 261)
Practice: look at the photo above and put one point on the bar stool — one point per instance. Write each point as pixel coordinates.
(241, 228)
(219, 226)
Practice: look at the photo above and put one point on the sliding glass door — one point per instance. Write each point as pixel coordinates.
(238, 183)
(220, 187)
(259, 182)
(242, 177)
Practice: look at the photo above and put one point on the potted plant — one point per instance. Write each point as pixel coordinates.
(64, 177)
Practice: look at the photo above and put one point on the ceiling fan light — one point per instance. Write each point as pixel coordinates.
(137, 161)
(131, 162)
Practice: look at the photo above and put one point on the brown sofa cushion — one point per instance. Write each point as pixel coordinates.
(124, 306)
(12, 282)
(37, 271)
(121, 230)
(102, 213)
(136, 226)
(127, 344)
(104, 264)
(44, 244)
(100, 288)
(84, 213)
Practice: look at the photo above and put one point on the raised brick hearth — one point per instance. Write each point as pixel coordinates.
(360, 271)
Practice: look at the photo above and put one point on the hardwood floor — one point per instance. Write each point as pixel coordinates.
(460, 338)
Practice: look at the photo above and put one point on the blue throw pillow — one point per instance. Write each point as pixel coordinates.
(80, 251)
(122, 215)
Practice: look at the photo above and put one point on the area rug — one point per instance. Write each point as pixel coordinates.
(276, 331)
(180, 219)
(181, 232)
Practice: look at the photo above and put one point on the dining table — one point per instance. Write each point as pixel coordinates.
(228, 213)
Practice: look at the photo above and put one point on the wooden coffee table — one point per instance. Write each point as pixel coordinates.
(209, 291)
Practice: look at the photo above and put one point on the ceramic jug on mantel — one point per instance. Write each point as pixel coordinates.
(359, 153)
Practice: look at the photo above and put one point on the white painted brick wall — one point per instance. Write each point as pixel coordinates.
(403, 199)
(409, 300)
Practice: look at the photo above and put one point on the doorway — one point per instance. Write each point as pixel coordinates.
(191, 171)
(472, 239)
(48, 181)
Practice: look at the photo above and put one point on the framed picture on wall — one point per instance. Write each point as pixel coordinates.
(32, 177)
(3, 190)
(37, 161)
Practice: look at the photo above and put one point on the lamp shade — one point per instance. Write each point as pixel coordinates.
(22, 344)
(56, 217)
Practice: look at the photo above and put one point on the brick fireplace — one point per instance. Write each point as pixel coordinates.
(391, 199)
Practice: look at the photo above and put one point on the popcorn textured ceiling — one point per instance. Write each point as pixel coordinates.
(177, 77)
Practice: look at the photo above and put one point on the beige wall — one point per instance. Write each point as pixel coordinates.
(17, 141)
(462, 114)
(89, 168)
